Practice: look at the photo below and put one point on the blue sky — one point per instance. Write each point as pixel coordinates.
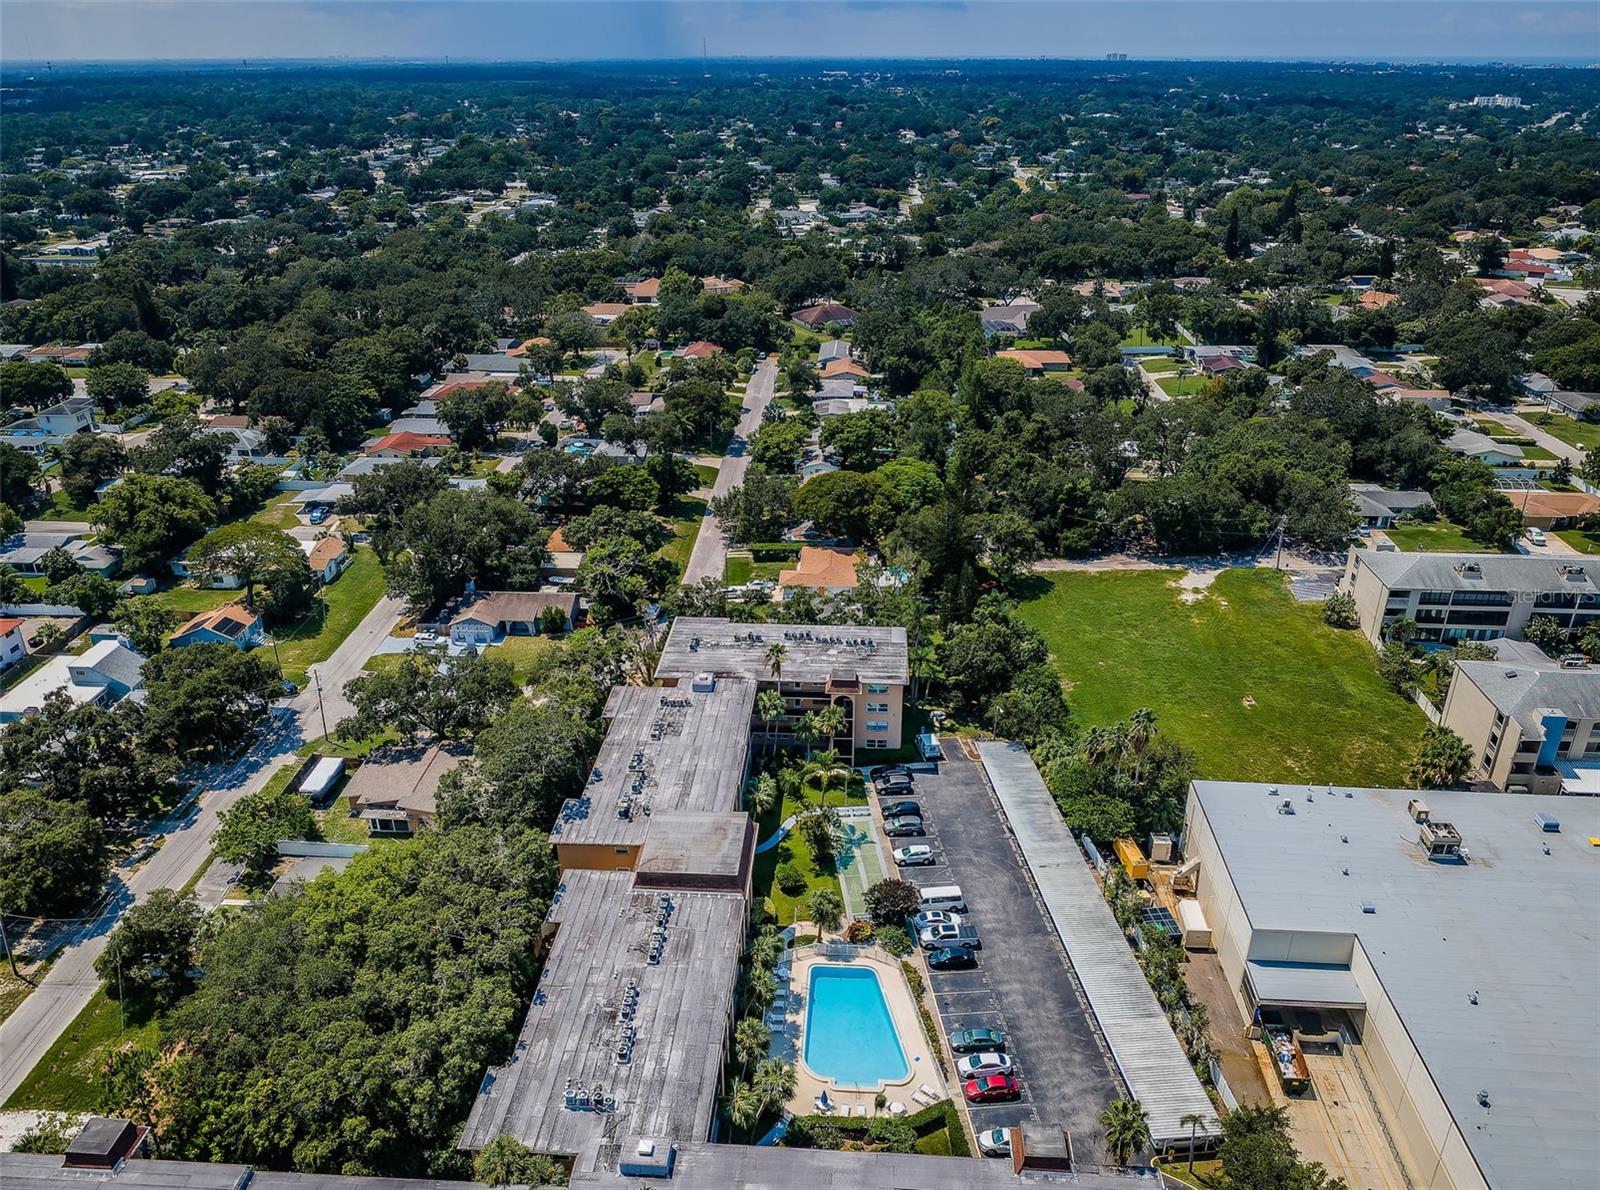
(63, 30)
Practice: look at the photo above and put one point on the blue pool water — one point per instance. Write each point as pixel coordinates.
(849, 1035)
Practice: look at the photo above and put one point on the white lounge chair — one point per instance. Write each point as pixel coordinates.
(859, 1110)
(921, 1097)
(933, 1095)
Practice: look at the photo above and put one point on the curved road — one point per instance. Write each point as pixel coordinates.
(710, 550)
(29, 1032)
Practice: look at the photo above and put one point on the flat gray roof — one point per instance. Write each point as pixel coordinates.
(1553, 573)
(1513, 926)
(1135, 1027)
(668, 1084)
(44, 1171)
(667, 750)
(813, 652)
(702, 1166)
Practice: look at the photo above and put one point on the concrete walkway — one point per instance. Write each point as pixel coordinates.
(710, 554)
(29, 1032)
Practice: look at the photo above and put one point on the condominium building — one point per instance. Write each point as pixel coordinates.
(862, 670)
(1533, 726)
(1469, 596)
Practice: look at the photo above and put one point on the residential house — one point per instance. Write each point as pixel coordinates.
(1533, 726)
(104, 675)
(1469, 596)
(496, 615)
(396, 789)
(327, 557)
(497, 365)
(232, 624)
(24, 552)
(605, 313)
(368, 464)
(860, 669)
(700, 349)
(643, 293)
(1474, 445)
(821, 569)
(406, 443)
(1112, 291)
(51, 426)
(1436, 399)
(1376, 299)
(721, 286)
(1217, 363)
(1572, 404)
(832, 349)
(13, 646)
(1010, 318)
(1536, 384)
(843, 367)
(1379, 507)
(61, 353)
(823, 314)
(1037, 363)
(564, 560)
(1553, 510)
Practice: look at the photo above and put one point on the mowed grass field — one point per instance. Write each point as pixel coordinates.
(1125, 639)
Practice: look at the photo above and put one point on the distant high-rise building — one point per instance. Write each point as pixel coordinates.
(1497, 101)
(1116, 57)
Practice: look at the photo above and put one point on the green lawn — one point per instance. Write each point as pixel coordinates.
(1584, 541)
(741, 568)
(1140, 337)
(278, 513)
(1123, 640)
(1582, 434)
(189, 600)
(1160, 366)
(1181, 386)
(793, 850)
(708, 474)
(61, 507)
(523, 652)
(67, 1078)
(337, 826)
(685, 515)
(1435, 537)
(340, 606)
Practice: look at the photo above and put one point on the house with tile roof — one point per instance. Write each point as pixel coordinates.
(1037, 363)
(404, 444)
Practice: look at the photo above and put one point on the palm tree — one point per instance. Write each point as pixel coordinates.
(774, 1081)
(750, 1041)
(923, 661)
(763, 795)
(770, 708)
(1194, 1120)
(775, 654)
(825, 768)
(807, 732)
(1127, 1131)
(830, 722)
(744, 1105)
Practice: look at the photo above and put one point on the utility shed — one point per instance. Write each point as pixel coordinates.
(1146, 1053)
(628, 1027)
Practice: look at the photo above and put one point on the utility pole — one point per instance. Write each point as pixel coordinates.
(317, 678)
(6, 943)
(1277, 562)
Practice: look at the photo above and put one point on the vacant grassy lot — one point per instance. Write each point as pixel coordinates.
(1181, 386)
(1123, 640)
(68, 1077)
(188, 600)
(340, 606)
(1434, 537)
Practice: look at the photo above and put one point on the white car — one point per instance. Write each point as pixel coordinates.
(1536, 536)
(929, 918)
(995, 1142)
(982, 1065)
(914, 856)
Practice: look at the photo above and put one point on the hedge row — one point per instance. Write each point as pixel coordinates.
(930, 1121)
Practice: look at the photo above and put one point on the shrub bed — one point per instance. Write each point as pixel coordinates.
(933, 1130)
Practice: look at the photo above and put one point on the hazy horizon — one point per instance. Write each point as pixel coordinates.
(199, 32)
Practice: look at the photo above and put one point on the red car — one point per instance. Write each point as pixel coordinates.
(992, 1088)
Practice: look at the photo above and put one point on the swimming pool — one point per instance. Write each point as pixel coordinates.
(849, 1034)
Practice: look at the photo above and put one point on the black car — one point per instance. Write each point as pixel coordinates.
(898, 809)
(891, 770)
(952, 958)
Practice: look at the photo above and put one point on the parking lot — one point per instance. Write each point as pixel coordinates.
(1023, 983)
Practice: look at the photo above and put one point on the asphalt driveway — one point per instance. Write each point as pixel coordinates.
(1023, 982)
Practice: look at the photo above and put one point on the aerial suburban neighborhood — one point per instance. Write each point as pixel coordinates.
(922, 622)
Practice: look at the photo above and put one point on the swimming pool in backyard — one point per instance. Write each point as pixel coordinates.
(849, 1035)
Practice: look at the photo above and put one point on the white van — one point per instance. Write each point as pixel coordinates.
(943, 896)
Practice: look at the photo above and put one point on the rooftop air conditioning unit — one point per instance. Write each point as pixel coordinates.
(1440, 840)
(704, 683)
(1417, 810)
(1470, 570)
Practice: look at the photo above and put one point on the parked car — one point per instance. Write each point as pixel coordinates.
(905, 824)
(993, 1088)
(955, 958)
(901, 809)
(915, 855)
(995, 1142)
(940, 937)
(896, 782)
(891, 770)
(318, 514)
(1536, 536)
(982, 1065)
(935, 917)
(977, 1041)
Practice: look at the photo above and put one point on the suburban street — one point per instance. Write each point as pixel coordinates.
(185, 843)
(1562, 450)
(710, 551)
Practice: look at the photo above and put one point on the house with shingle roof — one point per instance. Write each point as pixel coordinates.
(232, 624)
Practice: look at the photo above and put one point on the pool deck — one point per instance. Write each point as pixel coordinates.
(790, 1045)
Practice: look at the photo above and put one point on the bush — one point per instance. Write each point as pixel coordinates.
(895, 939)
(1339, 611)
(859, 932)
(51, 1134)
(791, 880)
